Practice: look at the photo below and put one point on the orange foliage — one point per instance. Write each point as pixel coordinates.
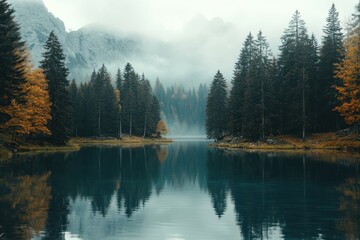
(349, 72)
(38, 105)
(30, 196)
(162, 153)
(350, 207)
(161, 128)
(30, 116)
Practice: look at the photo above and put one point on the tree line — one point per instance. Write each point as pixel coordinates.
(101, 109)
(296, 93)
(42, 104)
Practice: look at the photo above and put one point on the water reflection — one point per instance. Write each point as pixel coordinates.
(169, 190)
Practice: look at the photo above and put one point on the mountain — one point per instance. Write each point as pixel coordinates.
(192, 57)
(85, 49)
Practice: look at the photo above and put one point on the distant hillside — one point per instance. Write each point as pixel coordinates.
(85, 49)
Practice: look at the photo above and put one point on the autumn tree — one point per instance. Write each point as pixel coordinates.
(53, 65)
(348, 71)
(161, 129)
(31, 114)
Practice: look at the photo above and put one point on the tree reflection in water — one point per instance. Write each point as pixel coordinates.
(300, 196)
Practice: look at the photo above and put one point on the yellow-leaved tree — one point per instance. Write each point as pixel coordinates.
(32, 113)
(161, 128)
(348, 70)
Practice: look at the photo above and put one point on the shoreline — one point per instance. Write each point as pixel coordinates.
(75, 144)
(315, 142)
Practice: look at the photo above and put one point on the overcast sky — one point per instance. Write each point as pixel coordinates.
(166, 18)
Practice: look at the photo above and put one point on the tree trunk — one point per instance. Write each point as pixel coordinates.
(120, 128)
(303, 106)
(99, 120)
(130, 131)
(262, 109)
(144, 127)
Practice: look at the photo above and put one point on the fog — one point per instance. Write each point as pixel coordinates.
(187, 41)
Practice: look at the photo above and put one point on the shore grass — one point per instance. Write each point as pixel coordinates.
(323, 141)
(124, 141)
(25, 147)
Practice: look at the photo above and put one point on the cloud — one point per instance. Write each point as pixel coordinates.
(197, 37)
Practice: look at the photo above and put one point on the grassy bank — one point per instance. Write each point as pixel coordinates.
(124, 141)
(324, 141)
(73, 145)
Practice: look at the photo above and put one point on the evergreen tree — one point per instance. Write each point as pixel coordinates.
(56, 73)
(331, 53)
(130, 89)
(75, 101)
(145, 97)
(118, 94)
(154, 115)
(106, 106)
(294, 67)
(11, 58)
(236, 106)
(216, 104)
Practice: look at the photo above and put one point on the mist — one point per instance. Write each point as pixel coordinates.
(188, 41)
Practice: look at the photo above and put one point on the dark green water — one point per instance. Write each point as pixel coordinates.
(181, 191)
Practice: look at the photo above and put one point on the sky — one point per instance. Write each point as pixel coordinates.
(207, 34)
(166, 18)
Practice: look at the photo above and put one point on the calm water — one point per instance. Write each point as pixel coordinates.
(181, 191)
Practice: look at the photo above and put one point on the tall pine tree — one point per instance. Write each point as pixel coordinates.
(53, 65)
(331, 53)
(215, 108)
(294, 72)
(236, 106)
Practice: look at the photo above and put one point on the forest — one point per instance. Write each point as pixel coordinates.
(308, 88)
(41, 104)
(183, 109)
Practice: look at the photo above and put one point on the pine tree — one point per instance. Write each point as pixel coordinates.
(145, 96)
(256, 90)
(331, 53)
(119, 99)
(154, 115)
(294, 73)
(75, 102)
(106, 107)
(130, 89)
(215, 108)
(236, 106)
(53, 65)
(11, 58)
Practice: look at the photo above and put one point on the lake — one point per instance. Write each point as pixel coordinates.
(184, 190)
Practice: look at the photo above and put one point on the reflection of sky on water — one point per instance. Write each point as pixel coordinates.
(183, 191)
(184, 213)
